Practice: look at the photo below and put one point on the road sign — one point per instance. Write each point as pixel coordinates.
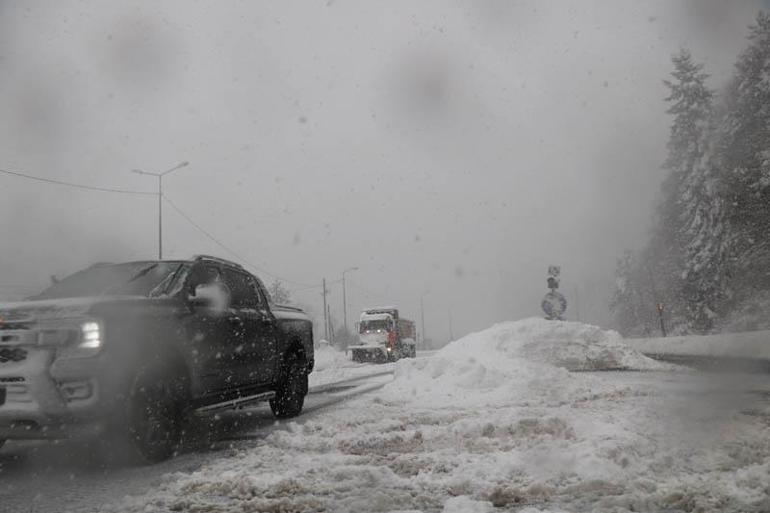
(554, 305)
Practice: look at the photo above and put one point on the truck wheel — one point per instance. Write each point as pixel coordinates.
(156, 412)
(290, 393)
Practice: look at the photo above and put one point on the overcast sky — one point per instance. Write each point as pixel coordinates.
(454, 149)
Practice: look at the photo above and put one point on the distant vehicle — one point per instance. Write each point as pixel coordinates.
(383, 336)
(136, 350)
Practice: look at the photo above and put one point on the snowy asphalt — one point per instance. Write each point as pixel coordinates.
(42, 477)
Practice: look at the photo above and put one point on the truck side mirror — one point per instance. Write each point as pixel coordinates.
(200, 302)
(214, 295)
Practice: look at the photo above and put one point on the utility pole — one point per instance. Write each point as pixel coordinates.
(422, 317)
(451, 334)
(577, 304)
(344, 297)
(160, 199)
(326, 314)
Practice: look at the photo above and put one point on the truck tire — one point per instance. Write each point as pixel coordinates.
(290, 392)
(156, 411)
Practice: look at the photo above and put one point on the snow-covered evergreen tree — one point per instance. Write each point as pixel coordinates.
(704, 283)
(668, 252)
(745, 164)
(691, 218)
(634, 296)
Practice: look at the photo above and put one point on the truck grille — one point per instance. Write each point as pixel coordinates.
(12, 354)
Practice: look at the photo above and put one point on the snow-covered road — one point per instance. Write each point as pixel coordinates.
(41, 477)
(495, 421)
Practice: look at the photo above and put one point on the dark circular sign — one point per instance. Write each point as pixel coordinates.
(554, 305)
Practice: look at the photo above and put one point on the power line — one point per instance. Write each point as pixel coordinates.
(227, 248)
(75, 185)
(178, 210)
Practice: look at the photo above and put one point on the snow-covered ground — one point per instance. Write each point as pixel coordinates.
(496, 421)
(332, 365)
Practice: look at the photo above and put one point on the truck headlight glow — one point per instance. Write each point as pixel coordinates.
(90, 335)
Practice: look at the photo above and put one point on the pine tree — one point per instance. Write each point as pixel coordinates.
(705, 271)
(745, 179)
(684, 196)
(634, 296)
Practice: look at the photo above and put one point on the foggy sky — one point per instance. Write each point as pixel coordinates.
(452, 149)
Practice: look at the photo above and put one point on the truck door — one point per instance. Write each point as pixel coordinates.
(255, 352)
(211, 330)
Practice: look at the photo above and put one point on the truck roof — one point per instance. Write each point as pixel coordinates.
(382, 309)
(375, 316)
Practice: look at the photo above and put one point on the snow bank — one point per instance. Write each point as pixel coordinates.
(327, 357)
(570, 345)
(522, 361)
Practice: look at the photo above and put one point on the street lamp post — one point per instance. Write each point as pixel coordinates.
(160, 199)
(344, 297)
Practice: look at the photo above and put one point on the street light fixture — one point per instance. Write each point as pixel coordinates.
(344, 297)
(160, 199)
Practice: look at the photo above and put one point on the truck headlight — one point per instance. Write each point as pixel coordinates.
(86, 343)
(90, 335)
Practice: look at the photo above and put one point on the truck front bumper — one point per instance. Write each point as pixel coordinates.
(41, 398)
(377, 354)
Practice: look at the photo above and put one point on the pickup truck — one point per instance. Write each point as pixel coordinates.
(139, 350)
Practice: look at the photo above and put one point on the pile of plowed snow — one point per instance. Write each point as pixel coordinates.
(528, 360)
(328, 357)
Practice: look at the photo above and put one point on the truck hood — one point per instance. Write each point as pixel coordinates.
(372, 339)
(51, 309)
(287, 312)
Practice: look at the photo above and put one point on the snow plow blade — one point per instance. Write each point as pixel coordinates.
(369, 355)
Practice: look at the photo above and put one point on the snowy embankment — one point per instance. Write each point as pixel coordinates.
(753, 345)
(497, 419)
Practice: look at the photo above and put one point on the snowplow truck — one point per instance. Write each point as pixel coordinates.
(383, 337)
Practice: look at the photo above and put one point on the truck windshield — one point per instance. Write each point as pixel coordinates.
(133, 278)
(375, 325)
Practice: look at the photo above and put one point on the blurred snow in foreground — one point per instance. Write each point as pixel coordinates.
(496, 420)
